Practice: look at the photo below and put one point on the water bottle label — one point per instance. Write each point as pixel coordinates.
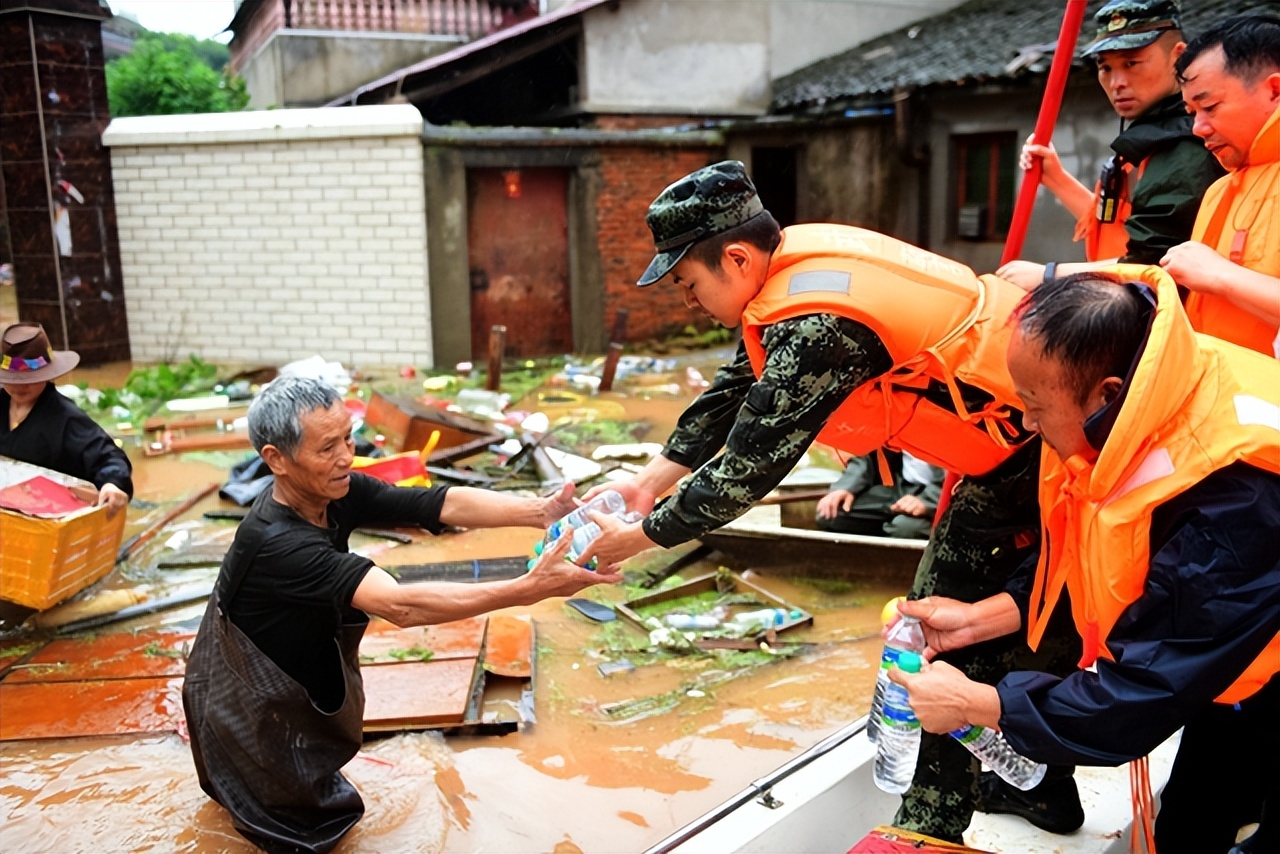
(899, 718)
(890, 658)
(968, 734)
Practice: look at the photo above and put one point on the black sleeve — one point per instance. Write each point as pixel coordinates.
(705, 424)
(373, 502)
(1210, 604)
(1166, 200)
(96, 453)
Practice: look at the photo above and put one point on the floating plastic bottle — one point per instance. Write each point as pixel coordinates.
(765, 618)
(898, 746)
(997, 754)
(692, 622)
(905, 636)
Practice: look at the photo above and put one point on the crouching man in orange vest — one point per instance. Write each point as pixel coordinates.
(1160, 501)
(859, 341)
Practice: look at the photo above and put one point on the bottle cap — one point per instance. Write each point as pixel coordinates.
(909, 661)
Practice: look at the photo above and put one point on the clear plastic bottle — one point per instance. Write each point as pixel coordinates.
(996, 753)
(898, 746)
(905, 636)
(692, 622)
(608, 502)
(765, 618)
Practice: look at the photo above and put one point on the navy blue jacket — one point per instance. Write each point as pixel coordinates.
(1210, 605)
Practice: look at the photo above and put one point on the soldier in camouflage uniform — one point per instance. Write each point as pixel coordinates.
(814, 363)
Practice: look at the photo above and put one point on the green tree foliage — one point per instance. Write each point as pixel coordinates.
(170, 73)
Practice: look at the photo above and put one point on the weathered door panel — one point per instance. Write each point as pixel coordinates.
(518, 248)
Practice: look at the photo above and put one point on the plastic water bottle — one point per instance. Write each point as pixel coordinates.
(692, 622)
(765, 618)
(581, 539)
(898, 746)
(609, 502)
(996, 753)
(905, 636)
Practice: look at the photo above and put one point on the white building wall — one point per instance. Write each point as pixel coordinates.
(273, 236)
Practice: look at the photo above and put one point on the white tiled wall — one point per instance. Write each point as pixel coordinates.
(274, 236)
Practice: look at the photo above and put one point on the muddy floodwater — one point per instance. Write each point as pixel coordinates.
(584, 777)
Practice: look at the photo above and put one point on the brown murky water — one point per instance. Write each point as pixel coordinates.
(578, 780)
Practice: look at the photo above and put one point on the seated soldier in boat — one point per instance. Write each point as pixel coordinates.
(44, 428)
(1160, 497)
(273, 695)
(904, 508)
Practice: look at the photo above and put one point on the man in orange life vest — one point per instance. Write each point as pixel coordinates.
(1231, 84)
(860, 341)
(1160, 499)
(1150, 189)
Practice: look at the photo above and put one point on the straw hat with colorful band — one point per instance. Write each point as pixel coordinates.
(27, 357)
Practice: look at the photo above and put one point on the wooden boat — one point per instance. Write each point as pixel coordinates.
(824, 800)
(762, 539)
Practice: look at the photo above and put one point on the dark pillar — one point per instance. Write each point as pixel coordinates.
(57, 176)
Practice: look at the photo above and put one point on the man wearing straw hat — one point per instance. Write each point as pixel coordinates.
(44, 428)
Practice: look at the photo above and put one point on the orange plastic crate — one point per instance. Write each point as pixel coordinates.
(43, 561)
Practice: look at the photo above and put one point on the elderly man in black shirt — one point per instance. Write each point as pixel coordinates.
(273, 695)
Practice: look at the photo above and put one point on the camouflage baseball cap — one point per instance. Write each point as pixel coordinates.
(713, 199)
(1131, 24)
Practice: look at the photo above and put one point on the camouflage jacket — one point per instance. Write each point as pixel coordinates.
(812, 364)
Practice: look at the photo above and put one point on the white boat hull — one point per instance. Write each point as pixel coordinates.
(824, 801)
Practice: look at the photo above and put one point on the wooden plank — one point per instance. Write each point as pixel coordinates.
(122, 655)
(417, 695)
(101, 707)
(460, 639)
(508, 647)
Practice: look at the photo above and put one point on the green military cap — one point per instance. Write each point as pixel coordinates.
(1131, 24)
(713, 199)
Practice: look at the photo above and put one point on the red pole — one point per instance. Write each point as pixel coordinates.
(1063, 54)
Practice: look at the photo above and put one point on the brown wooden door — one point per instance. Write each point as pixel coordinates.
(518, 252)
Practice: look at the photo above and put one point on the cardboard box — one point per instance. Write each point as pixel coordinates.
(44, 561)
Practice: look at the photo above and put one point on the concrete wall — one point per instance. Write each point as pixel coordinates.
(718, 57)
(677, 57)
(273, 236)
(298, 68)
(1086, 125)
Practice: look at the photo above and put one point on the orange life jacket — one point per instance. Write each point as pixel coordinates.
(1240, 218)
(1105, 240)
(940, 323)
(1195, 405)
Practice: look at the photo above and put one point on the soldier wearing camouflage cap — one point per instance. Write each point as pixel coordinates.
(828, 312)
(1149, 191)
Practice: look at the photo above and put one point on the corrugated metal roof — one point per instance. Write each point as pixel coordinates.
(978, 41)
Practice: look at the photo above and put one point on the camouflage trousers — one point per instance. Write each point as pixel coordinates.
(990, 527)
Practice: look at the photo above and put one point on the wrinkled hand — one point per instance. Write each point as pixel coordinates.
(946, 622)
(1197, 267)
(835, 502)
(1025, 274)
(552, 575)
(937, 695)
(910, 505)
(637, 497)
(114, 497)
(1050, 165)
(558, 505)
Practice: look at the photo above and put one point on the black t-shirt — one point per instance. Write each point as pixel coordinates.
(296, 591)
(58, 435)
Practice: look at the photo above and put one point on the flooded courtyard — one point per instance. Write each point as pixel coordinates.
(613, 762)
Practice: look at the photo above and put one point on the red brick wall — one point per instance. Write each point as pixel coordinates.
(631, 179)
